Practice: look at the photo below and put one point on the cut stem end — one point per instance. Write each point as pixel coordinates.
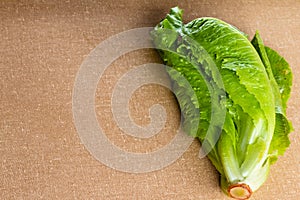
(240, 191)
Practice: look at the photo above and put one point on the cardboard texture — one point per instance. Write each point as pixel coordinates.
(43, 44)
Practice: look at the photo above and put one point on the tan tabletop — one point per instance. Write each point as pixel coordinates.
(44, 43)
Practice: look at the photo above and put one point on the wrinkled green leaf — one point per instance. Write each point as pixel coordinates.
(281, 87)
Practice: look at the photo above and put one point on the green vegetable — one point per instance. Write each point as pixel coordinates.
(234, 99)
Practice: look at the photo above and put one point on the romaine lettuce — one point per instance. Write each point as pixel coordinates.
(248, 80)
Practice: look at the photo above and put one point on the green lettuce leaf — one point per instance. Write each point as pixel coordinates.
(281, 87)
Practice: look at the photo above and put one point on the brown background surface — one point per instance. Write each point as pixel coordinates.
(42, 46)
